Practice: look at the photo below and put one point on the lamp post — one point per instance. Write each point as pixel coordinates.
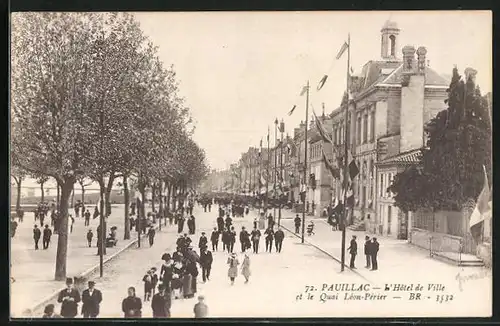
(282, 129)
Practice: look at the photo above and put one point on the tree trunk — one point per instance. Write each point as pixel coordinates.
(43, 191)
(169, 192)
(174, 198)
(58, 198)
(107, 193)
(102, 217)
(62, 241)
(73, 197)
(83, 195)
(160, 210)
(153, 196)
(126, 234)
(18, 199)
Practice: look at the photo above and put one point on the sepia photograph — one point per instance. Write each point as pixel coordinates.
(271, 164)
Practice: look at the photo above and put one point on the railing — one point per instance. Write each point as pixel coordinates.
(439, 244)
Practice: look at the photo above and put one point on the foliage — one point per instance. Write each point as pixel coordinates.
(459, 144)
(91, 99)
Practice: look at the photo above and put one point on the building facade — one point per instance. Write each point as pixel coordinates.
(391, 100)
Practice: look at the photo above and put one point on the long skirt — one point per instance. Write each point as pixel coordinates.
(187, 285)
(194, 285)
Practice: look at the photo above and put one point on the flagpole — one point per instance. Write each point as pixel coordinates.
(305, 163)
(260, 174)
(275, 165)
(267, 169)
(282, 129)
(344, 185)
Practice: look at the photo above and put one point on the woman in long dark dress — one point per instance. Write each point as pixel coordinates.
(167, 271)
(178, 269)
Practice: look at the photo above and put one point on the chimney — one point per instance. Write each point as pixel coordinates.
(408, 59)
(421, 52)
(470, 73)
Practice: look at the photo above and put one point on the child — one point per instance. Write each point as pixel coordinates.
(200, 309)
(154, 278)
(90, 235)
(148, 284)
(310, 228)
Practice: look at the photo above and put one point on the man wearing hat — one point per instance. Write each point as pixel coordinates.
(203, 240)
(368, 245)
(206, 260)
(161, 303)
(91, 299)
(353, 250)
(69, 299)
(298, 223)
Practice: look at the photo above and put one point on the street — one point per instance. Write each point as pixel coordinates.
(281, 283)
(33, 270)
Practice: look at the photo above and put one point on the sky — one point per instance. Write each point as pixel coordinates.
(239, 71)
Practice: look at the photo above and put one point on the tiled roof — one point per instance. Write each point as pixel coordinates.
(411, 157)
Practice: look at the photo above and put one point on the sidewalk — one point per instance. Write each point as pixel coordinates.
(33, 270)
(399, 262)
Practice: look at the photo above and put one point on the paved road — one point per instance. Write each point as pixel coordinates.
(276, 279)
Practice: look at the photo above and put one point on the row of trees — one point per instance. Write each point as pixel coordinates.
(451, 175)
(91, 99)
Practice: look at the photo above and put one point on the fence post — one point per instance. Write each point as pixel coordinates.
(461, 246)
(430, 246)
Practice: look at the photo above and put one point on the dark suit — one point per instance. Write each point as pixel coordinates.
(278, 240)
(69, 309)
(161, 305)
(36, 236)
(374, 253)
(353, 250)
(206, 260)
(47, 234)
(368, 249)
(90, 308)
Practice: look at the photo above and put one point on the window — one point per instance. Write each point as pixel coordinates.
(358, 134)
(364, 171)
(372, 127)
(372, 180)
(388, 183)
(389, 219)
(364, 197)
(391, 181)
(334, 135)
(393, 45)
(365, 129)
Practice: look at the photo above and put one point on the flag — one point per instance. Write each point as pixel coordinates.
(321, 130)
(352, 71)
(335, 172)
(322, 82)
(478, 215)
(304, 90)
(293, 109)
(342, 50)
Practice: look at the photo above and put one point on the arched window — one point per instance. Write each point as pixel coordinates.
(393, 45)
